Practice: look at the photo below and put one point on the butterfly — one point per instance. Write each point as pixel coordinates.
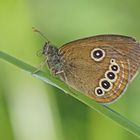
(100, 67)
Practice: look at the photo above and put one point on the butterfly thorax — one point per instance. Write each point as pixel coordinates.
(53, 58)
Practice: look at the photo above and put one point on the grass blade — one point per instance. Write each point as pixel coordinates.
(48, 78)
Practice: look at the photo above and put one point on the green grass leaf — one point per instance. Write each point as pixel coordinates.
(54, 81)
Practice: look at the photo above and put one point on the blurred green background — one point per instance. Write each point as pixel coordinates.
(33, 110)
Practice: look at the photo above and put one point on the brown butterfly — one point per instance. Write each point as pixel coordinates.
(100, 66)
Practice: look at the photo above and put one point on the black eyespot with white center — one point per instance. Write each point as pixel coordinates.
(105, 84)
(111, 76)
(115, 68)
(99, 91)
(97, 54)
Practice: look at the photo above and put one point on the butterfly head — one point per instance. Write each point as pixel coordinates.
(48, 49)
(53, 58)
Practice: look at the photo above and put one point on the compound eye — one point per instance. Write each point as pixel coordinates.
(99, 91)
(97, 54)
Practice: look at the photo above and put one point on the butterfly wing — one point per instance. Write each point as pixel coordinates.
(84, 74)
(118, 86)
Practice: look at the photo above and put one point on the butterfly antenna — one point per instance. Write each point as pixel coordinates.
(41, 34)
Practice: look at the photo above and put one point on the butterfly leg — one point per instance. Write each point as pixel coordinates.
(41, 65)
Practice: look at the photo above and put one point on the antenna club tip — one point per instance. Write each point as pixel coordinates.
(35, 29)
